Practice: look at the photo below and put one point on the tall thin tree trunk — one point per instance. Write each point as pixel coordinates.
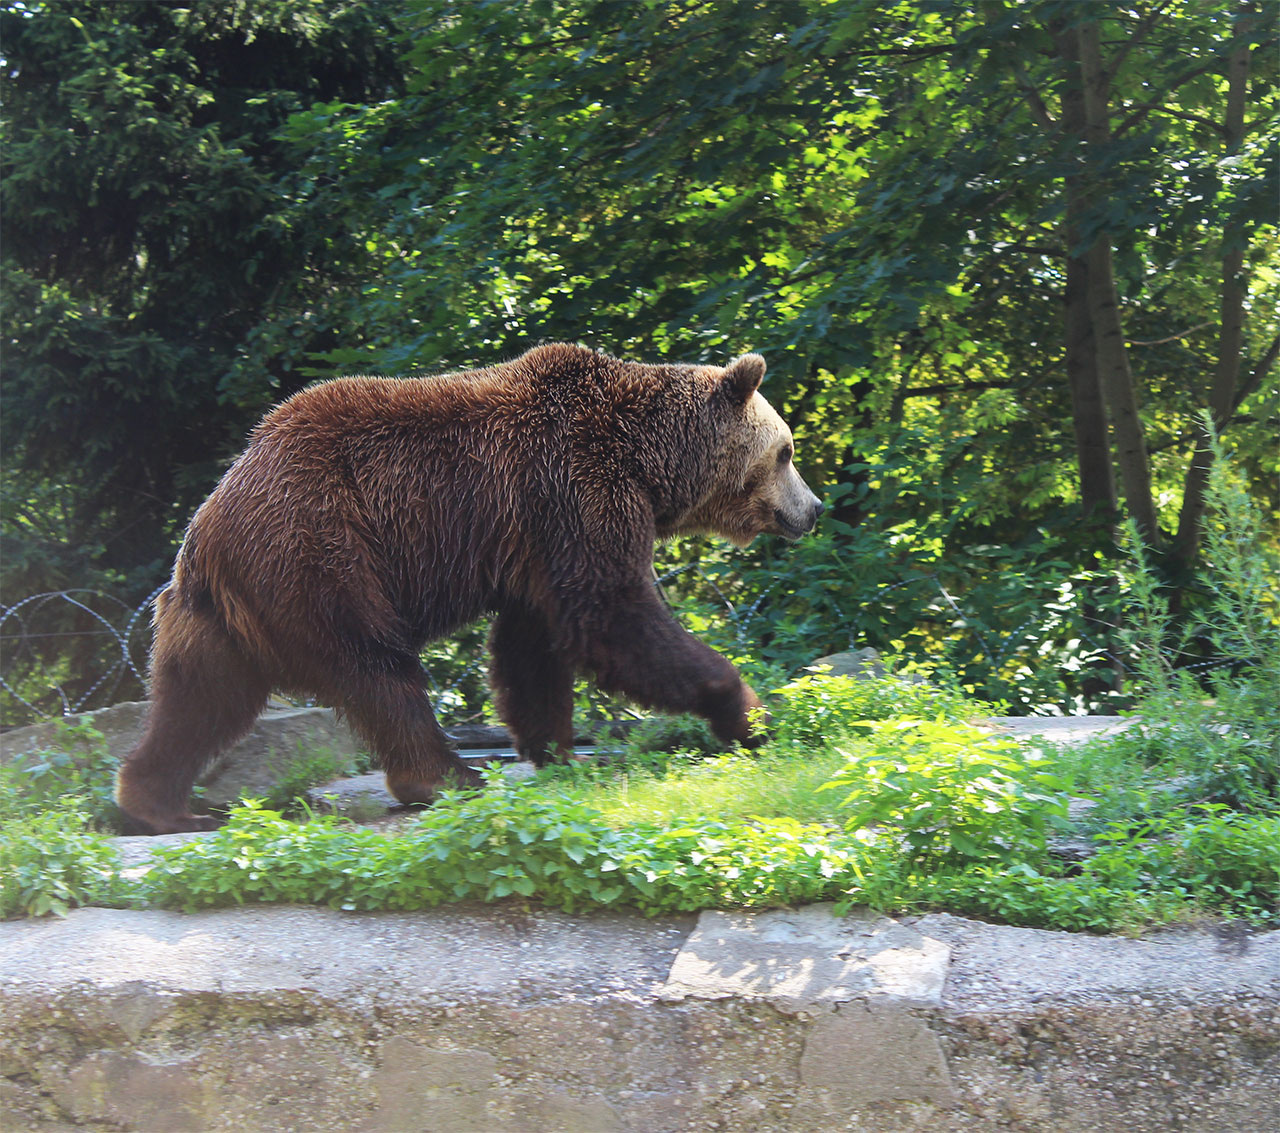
(1088, 409)
(1129, 441)
(1231, 333)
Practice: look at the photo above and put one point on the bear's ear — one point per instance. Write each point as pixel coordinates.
(742, 377)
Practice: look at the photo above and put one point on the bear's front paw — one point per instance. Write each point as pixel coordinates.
(740, 718)
(415, 789)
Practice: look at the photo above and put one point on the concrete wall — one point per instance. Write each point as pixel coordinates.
(501, 1019)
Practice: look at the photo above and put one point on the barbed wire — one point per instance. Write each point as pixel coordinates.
(112, 642)
(64, 652)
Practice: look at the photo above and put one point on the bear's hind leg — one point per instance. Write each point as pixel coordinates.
(205, 694)
(392, 712)
(533, 686)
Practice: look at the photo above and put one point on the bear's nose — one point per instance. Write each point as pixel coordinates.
(818, 508)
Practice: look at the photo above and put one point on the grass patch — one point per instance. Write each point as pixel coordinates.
(681, 787)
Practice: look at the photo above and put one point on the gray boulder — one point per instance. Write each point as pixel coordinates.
(857, 663)
(280, 738)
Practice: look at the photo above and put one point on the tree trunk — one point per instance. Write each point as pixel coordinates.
(1088, 410)
(1112, 354)
(1230, 337)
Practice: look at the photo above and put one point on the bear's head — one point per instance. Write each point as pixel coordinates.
(754, 486)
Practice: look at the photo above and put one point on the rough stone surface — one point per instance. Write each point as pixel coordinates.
(862, 1054)
(121, 724)
(501, 1020)
(856, 663)
(1000, 966)
(806, 957)
(278, 737)
(1060, 729)
(252, 767)
(361, 795)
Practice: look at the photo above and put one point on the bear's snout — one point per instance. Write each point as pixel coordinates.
(793, 528)
(798, 509)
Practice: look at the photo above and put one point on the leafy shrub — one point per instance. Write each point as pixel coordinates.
(1224, 860)
(1028, 622)
(54, 860)
(819, 709)
(1233, 861)
(510, 840)
(261, 856)
(76, 768)
(1022, 895)
(296, 774)
(1226, 738)
(689, 735)
(955, 795)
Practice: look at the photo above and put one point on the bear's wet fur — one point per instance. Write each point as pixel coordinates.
(368, 516)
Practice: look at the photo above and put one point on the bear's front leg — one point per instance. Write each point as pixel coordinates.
(533, 685)
(392, 711)
(733, 710)
(636, 648)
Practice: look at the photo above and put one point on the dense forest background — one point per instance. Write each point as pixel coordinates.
(1005, 260)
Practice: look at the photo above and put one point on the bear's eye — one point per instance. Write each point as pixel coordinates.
(784, 454)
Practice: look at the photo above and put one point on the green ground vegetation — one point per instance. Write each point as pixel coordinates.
(899, 813)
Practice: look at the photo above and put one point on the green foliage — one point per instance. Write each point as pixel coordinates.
(689, 735)
(937, 815)
(520, 841)
(207, 206)
(259, 855)
(1226, 860)
(808, 719)
(1177, 868)
(1023, 896)
(306, 767)
(75, 768)
(508, 841)
(1226, 743)
(819, 710)
(955, 795)
(741, 787)
(156, 278)
(927, 577)
(53, 860)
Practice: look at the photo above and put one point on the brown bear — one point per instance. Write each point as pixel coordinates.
(370, 515)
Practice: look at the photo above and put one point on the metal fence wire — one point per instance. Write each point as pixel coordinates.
(64, 652)
(70, 651)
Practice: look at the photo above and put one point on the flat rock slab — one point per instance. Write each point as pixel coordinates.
(1060, 729)
(799, 958)
(999, 966)
(501, 1019)
(359, 795)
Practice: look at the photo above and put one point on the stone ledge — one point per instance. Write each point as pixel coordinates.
(498, 1018)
